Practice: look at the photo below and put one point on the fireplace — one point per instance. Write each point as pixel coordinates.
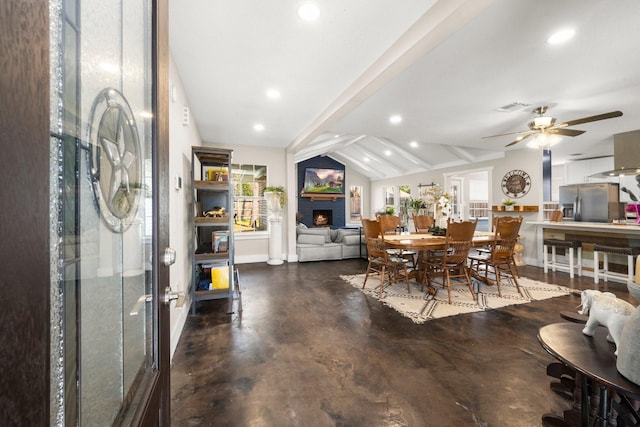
(322, 217)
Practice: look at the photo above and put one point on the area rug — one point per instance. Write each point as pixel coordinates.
(421, 307)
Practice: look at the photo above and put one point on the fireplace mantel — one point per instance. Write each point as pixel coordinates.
(327, 196)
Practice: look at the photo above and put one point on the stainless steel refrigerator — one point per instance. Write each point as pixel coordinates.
(598, 202)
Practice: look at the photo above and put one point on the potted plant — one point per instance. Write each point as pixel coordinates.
(276, 197)
(416, 204)
(508, 204)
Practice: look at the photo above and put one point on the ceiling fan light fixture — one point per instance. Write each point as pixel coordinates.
(543, 122)
(544, 140)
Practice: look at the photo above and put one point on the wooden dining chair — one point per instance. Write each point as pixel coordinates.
(370, 228)
(389, 223)
(423, 223)
(389, 268)
(453, 262)
(556, 216)
(499, 260)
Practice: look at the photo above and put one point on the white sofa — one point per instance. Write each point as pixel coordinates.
(324, 243)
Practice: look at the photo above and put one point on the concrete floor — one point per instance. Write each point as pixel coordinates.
(310, 350)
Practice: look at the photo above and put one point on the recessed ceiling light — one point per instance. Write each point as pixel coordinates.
(258, 127)
(561, 36)
(395, 119)
(273, 93)
(308, 12)
(387, 152)
(413, 144)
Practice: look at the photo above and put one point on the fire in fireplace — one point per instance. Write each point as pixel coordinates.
(322, 218)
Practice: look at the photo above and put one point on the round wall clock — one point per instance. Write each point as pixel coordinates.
(516, 183)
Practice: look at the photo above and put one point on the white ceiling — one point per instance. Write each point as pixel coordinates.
(445, 66)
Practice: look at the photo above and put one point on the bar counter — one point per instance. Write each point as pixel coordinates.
(590, 226)
(589, 233)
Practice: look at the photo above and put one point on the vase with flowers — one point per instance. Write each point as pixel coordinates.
(440, 200)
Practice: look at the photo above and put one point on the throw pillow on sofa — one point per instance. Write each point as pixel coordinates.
(321, 231)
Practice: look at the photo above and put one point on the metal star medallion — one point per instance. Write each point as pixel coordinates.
(115, 161)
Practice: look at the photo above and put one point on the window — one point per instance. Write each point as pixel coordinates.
(355, 199)
(250, 208)
(479, 200)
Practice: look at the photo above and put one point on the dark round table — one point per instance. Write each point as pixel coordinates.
(591, 356)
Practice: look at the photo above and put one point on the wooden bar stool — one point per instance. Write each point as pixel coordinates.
(614, 250)
(571, 245)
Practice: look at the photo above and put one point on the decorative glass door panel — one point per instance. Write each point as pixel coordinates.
(103, 133)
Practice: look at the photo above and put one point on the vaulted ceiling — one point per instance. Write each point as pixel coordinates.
(445, 67)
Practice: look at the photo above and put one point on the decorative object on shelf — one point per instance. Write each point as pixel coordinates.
(516, 183)
(276, 197)
(508, 204)
(605, 309)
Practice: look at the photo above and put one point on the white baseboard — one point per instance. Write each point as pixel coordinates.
(183, 313)
(246, 259)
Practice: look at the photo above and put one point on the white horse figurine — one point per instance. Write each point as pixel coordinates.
(606, 310)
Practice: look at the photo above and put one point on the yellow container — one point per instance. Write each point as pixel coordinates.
(220, 277)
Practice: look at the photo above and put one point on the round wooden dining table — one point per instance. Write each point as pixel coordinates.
(426, 242)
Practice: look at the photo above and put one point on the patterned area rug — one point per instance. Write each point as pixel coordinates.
(420, 306)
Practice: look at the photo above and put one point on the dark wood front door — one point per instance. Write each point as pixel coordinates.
(84, 220)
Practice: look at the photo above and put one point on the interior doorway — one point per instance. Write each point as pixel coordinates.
(470, 195)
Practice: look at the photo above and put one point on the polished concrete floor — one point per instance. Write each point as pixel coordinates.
(310, 350)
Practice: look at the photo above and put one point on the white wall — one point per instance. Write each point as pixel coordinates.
(181, 138)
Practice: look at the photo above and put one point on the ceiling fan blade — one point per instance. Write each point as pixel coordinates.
(519, 140)
(595, 118)
(566, 132)
(508, 133)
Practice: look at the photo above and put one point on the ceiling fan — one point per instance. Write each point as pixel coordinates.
(546, 125)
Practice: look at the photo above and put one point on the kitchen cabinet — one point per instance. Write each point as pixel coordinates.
(580, 171)
(212, 225)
